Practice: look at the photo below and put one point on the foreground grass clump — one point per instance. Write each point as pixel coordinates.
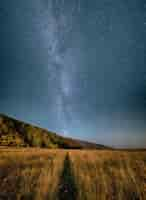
(110, 175)
(36, 174)
(67, 186)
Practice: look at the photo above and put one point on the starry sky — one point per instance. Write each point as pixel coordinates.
(76, 67)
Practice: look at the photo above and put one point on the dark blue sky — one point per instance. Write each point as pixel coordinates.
(76, 67)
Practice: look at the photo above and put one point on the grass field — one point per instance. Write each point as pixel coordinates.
(39, 174)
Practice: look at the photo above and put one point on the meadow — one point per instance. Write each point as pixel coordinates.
(42, 174)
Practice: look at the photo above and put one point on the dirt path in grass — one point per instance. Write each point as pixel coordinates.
(67, 186)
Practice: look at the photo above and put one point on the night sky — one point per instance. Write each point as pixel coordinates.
(76, 67)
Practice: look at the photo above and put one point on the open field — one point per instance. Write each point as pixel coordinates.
(39, 174)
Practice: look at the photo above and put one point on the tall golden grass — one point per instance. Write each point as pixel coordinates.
(110, 175)
(34, 174)
(30, 174)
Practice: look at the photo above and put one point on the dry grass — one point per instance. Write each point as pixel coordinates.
(30, 174)
(109, 175)
(34, 174)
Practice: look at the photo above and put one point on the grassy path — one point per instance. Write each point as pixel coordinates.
(67, 186)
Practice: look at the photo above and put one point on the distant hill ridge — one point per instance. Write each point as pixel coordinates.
(16, 133)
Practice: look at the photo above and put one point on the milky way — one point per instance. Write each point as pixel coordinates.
(76, 67)
(60, 19)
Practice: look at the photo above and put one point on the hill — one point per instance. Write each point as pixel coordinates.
(16, 133)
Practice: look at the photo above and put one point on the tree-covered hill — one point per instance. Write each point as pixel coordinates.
(16, 133)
